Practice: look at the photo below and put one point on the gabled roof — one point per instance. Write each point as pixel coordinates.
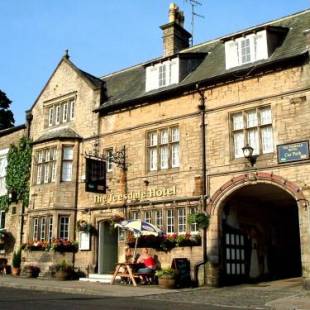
(128, 86)
(91, 80)
(58, 134)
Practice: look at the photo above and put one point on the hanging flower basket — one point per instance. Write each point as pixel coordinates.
(86, 227)
(201, 219)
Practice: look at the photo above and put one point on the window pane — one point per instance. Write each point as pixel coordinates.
(159, 218)
(39, 174)
(253, 140)
(148, 216)
(164, 136)
(35, 229)
(237, 121)
(265, 116)
(175, 137)
(170, 221)
(64, 228)
(238, 144)
(68, 153)
(42, 228)
(40, 156)
(46, 173)
(193, 227)
(72, 103)
(65, 112)
(153, 159)
(164, 157)
(2, 219)
(162, 75)
(181, 220)
(134, 215)
(50, 116)
(153, 138)
(50, 229)
(175, 155)
(109, 162)
(267, 139)
(53, 177)
(252, 118)
(67, 171)
(57, 117)
(245, 51)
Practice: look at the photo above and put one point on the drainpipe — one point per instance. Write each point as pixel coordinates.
(76, 197)
(202, 108)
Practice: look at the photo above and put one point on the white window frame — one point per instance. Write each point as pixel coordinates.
(193, 226)
(170, 221)
(158, 218)
(245, 128)
(51, 116)
(148, 216)
(3, 167)
(35, 229)
(163, 148)
(67, 164)
(181, 214)
(64, 222)
(45, 166)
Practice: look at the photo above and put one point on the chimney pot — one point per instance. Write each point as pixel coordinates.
(175, 37)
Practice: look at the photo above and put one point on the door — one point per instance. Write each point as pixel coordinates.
(235, 256)
(108, 248)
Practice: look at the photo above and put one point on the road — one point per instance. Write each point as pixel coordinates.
(17, 299)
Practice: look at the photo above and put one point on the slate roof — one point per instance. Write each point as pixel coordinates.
(59, 134)
(10, 130)
(128, 86)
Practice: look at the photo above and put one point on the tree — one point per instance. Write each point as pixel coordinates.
(6, 115)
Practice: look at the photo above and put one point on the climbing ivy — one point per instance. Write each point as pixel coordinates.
(4, 202)
(18, 170)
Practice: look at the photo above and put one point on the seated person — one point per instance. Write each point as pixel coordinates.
(149, 264)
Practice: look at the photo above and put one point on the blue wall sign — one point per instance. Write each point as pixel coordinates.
(293, 152)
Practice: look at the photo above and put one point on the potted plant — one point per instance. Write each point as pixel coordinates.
(166, 277)
(16, 261)
(30, 271)
(63, 271)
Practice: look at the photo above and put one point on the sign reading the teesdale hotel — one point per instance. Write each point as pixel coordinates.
(293, 152)
(137, 195)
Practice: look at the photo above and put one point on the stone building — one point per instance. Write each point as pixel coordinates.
(11, 220)
(172, 136)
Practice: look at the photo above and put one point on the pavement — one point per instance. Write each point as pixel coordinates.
(280, 295)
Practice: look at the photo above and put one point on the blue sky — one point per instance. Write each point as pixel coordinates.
(105, 36)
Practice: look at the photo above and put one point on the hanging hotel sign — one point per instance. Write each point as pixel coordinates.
(293, 152)
(136, 195)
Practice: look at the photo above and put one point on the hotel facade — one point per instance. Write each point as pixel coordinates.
(169, 138)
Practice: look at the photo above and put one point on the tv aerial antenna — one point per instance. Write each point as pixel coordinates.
(194, 4)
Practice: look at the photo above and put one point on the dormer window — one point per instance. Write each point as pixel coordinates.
(247, 49)
(162, 74)
(253, 45)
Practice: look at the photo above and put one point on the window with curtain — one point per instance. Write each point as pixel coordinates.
(163, 149)
(67, 163)
(45, 165)
(253, 127)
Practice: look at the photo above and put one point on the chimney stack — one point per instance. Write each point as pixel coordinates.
(175, 37)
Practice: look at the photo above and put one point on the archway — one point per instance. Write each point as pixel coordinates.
(258, 229)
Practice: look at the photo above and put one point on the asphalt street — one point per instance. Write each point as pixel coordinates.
(17, 299)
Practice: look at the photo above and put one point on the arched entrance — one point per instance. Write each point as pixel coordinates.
(258, 229)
